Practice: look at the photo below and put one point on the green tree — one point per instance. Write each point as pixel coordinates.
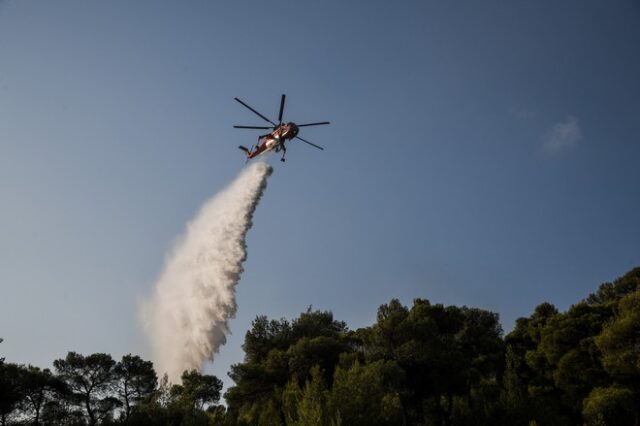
(265, 336)
(610, 406)
(613, 292)
(313, 407)
(368, 394)
(58, 412)
(275, 351)
(197, 390)
(620, 341)
(444, 351)
(543, 397)
(568, 346)
(265, 368)
(136, 381)
(190, 403)
(323, 351)
(91, 380)
(291, 396)
(11, 391)
(317, 323)
(514, 397)
(38, 388)
(565, 355)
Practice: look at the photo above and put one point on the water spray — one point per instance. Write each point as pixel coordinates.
(187, 316)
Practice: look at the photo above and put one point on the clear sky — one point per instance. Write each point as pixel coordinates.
(479, 153)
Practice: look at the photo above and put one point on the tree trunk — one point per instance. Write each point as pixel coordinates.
(126, 400)
(87, 403)
(36, 408)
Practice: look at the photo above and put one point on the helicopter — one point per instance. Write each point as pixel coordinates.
(280, 133)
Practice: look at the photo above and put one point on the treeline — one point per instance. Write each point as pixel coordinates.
(421, 365)
(95, 389)
(436, 365)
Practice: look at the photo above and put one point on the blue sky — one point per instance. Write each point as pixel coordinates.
(480, 153)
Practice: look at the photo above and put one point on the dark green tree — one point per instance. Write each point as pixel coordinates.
(197, 390)
(313, 407)
(265, 336)
(514, 398)
(91, 381)
(38, 388)
(11, 390)
(568, 346)
(612, 292)
(368, 394)
(534, 371)
(323, 351)
(276, 351)
(610, 406)
(563, 358)
(59, 411)
(619, 344)
(620, 341)
(136, 381)
(444, 351)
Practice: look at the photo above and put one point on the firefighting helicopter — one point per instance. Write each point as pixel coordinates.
(280, 133)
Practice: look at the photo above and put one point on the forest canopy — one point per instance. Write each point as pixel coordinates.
(424, 364)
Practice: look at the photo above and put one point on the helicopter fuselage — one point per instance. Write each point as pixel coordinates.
(273, 141)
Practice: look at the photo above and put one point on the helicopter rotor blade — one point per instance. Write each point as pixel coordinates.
(281, 110)
(256, 112)
(252, 127)
(310, 143)
(313, 124)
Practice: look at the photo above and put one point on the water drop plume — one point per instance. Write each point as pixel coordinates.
(187, 316)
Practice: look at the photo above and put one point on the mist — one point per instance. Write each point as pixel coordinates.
(186, 318)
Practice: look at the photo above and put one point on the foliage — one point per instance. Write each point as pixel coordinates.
(313, 405)
(610, 406)
(368, 394)
(619, 341)
(197, 390)
(424, 364)
(277, 352)
(613, 292)
(136, 381)
(91, 380)
(39, 387)
(11, 393)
